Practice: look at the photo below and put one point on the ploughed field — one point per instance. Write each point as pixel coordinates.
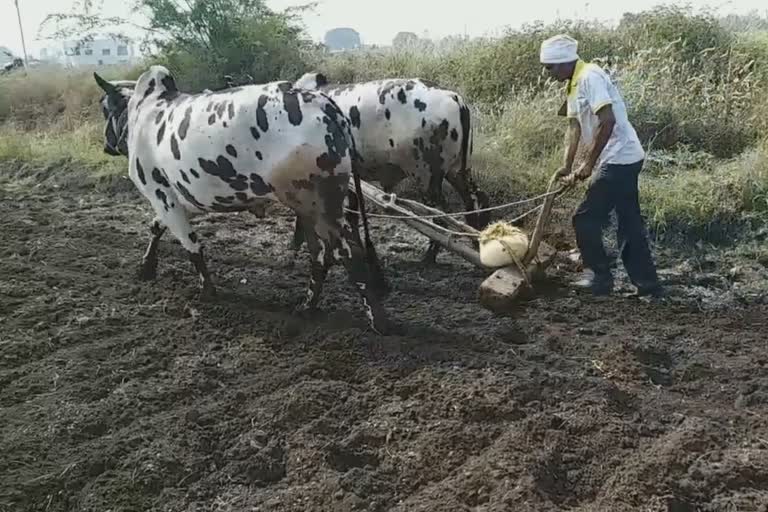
(120, 395)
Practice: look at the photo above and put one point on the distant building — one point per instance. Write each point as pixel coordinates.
(342, 38)
(97, 52)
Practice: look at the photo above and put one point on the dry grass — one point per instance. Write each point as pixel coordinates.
(52, 98)
(702, 111)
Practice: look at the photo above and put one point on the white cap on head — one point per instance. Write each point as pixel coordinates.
(559, 49)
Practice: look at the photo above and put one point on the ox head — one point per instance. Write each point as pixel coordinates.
(312, 80)
(114, 108)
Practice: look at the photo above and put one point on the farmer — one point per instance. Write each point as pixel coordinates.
(597, 116)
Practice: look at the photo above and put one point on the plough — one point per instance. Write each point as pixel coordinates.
(505, 283)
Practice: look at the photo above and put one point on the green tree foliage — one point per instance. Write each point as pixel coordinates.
(342, 38)
(203, 40)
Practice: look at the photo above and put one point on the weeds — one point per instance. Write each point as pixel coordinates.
(695, 92)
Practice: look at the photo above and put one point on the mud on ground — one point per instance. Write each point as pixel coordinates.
(121, 395)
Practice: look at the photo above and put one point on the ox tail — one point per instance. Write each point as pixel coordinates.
(479, 198)
(466, 136)
(372, 257)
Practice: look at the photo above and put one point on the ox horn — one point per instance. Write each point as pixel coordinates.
(124, 83)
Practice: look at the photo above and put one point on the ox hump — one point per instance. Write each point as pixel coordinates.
(156, 82)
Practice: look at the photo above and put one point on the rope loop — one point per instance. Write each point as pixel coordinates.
(392, 199)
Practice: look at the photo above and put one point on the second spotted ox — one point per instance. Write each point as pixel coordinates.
(236, 150)
(409, 128)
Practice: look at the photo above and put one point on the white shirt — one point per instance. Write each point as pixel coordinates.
(589, 90)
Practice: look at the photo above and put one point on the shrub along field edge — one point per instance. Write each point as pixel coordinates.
(695, 90)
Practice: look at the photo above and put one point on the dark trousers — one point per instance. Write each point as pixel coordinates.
(615, 186)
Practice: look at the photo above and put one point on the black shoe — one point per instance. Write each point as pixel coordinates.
(597, 284)
(655, 291)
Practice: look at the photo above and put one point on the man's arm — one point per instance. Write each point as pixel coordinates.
(574, 136)
(596, 89)
(605, 123)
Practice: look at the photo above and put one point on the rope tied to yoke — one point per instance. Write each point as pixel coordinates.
(502, 232)
(392, 200)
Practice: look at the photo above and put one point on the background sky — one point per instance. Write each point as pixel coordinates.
(378, 22)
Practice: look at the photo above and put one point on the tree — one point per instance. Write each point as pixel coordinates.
(200, 41)
(404, 39)
(342, 38)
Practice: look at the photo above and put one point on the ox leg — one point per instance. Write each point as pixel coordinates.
(435, 199)
(473, 199)
(298, 236)
(297, 241)
(173, 216)
(206, 283)
(319, 270)
(351, 254)
(430, 256)
(148, 268)
(379, 282)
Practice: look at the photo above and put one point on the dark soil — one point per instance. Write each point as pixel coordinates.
(120, 395)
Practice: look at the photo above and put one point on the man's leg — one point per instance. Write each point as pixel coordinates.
(588, 222)
(632, 236)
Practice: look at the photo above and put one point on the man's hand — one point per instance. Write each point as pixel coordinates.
(563, 172)
(583, 172)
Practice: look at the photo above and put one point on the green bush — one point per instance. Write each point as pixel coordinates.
(203, 40)
(705, 201)
(681, 103)
(692, 33)
(695, 90)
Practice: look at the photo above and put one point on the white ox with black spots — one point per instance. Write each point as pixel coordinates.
(236, 150)
(409, 128)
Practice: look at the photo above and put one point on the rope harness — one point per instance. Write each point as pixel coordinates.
(392, 199)
(496, 231)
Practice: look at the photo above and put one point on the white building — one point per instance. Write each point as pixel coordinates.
(99, 52)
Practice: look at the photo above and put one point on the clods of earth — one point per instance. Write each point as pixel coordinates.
(122, 395)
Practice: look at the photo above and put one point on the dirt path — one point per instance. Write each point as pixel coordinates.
(119, 395)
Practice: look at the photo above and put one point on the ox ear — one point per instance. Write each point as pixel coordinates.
(105, 86)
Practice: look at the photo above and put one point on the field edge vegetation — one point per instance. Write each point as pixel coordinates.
(695, 86)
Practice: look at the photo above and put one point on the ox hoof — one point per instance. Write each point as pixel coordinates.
(305, 310)
(147, 271)
(290, 262)
(208, 292)
(384, 327)
(381, 287)
(429, 259)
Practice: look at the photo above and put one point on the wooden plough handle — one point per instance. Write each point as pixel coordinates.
(543, 220)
